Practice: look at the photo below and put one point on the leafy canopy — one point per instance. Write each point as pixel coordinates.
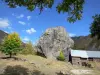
(74, 8)
(95, 26)
(28, 49)
(11, 44)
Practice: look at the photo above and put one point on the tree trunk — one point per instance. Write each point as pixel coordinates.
(10, 55)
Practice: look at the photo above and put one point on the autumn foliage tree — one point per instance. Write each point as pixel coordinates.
(11, 44)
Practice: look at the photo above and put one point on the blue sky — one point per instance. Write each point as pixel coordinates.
(30, 25)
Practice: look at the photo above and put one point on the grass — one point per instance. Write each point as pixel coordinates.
(46, 65)
(36, 65)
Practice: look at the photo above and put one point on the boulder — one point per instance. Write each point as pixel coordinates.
(53, 41)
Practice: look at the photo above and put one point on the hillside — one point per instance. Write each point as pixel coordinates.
(86, 43)
(36, 65)
(2, 35)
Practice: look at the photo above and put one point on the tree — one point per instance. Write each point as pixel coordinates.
(61, 56)
(11, 44)
(29, 49)
(95, 26)
(74, 8)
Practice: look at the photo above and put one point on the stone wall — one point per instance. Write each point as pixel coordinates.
(96, 59)
(76, 61)
(83, 61)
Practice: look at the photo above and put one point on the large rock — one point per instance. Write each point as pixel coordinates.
(53, 41)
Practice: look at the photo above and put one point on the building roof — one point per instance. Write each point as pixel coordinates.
(85, 54)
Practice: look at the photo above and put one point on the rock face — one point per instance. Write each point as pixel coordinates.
(53, 41)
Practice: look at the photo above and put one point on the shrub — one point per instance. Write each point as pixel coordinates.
(61, 56)
(46, 33)
(11, 44)
(29, 49)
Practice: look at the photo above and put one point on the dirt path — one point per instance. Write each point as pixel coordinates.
(82, 72)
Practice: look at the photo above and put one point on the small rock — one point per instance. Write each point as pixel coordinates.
(63, 73)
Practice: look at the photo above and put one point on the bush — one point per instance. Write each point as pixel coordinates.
(29, 49)
(61, 56)
(11, 44)
(46, 33)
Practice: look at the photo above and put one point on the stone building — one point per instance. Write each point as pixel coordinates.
(81, 57)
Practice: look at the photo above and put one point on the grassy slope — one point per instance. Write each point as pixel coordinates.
(33, 63)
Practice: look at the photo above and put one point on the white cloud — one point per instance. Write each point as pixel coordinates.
(21, 22)
(28, 17)
(72, 35)
(26, 39)
(4, 23)
(6, 31)
(10, 28)
(30, 31)
(20, 16)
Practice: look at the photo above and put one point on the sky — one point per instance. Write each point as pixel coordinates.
(31, 25)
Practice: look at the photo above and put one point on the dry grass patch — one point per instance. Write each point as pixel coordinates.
(37, 64)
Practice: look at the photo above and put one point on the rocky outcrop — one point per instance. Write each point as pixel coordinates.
(53, 41)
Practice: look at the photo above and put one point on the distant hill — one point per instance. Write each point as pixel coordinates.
(86, 43)
(2, 35)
